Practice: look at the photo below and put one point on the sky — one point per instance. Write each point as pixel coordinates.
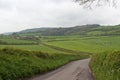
(17, 15)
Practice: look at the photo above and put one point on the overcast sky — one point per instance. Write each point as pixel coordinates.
(16, 15)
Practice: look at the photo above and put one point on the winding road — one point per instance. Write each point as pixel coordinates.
(76, 70)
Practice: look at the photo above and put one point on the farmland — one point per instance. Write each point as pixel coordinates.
(19, 61)
(83, 30)
(88, 44)
(25, 57)
(59, 40)
(106, 55)
(32, 48)
(16, 41)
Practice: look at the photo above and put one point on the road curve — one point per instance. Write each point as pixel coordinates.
(76, 70)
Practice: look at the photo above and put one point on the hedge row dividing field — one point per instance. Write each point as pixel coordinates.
(88, 44)
(22, 60)
(65, 50)
(39, 47)
(106, 66)
(105, 61)
(12, 41)
(17, 64)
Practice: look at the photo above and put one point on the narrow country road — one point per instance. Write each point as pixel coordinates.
(76, 70)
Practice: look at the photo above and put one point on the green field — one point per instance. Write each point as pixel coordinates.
(42, 48)
(88, 44)
(21, 61)
(84, 30)
(16, 41)
(105, 62)
(55, 51)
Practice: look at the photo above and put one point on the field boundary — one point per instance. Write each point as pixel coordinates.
(65, 50)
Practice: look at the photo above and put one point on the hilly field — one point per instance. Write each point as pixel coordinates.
(84, 30)
(38, 51)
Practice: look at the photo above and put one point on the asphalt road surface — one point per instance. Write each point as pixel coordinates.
(76, 70)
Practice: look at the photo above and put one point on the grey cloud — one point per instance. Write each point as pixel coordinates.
(21, 14)
(6, 4)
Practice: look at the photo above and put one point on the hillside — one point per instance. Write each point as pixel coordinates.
(58, 31)
(85, 30)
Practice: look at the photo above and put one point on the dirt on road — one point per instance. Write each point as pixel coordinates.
(76, 70)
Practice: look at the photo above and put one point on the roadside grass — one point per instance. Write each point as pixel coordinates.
(106, 66)
(17, 64)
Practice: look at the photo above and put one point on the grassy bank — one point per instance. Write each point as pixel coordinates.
(17, 64)
(106, 66)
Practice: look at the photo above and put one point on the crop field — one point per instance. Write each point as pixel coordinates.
(87, 44)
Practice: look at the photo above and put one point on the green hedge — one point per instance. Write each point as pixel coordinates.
(17, 64)
(106, 66)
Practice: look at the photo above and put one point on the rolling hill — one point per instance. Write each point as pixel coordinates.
(84, 30)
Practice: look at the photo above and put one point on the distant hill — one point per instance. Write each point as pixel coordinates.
(84, 30)
(7, 33)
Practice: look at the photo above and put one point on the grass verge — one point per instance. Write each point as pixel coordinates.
(106, 66)
(17, 64)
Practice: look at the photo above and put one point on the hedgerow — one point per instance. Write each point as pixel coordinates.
(17, 64)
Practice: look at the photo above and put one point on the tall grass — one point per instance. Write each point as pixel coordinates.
(106, 66)
(17, 64)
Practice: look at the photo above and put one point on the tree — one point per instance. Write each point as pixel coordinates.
(90, 3)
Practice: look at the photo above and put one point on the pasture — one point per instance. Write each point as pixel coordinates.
(16, 41)
(52, 52)
(87, 44)
(40, 47)
(106, 53)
